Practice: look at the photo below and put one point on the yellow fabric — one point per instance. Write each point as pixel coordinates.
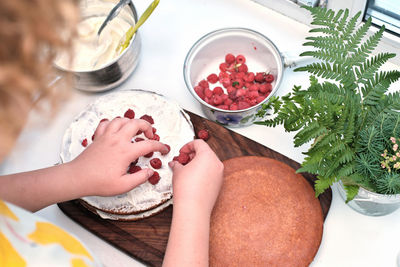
(78, 263)
(8, 255)
(4, 210)
(47, 233)
(27, 240)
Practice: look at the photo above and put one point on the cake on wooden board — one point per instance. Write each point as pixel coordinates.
(172, 125)
(265, 215)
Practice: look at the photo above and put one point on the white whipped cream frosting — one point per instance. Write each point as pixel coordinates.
(90, 51)
(173, 126)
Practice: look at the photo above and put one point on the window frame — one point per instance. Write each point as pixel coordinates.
(390, 42)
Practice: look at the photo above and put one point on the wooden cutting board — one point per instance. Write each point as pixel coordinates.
(146, 240)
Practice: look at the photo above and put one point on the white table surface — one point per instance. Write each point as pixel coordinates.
(349, 238)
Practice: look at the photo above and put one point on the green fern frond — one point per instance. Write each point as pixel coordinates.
(325, 70)
(350, 26)
(323, 183)
(355, 39)
(351, 192)
(313, 130)
(365, 49)
(368, 69)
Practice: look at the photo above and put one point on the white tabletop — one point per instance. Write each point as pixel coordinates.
(349, 238)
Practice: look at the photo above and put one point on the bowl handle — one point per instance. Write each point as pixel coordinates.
(293, 59)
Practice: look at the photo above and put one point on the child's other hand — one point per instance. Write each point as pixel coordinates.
(197, 184)
(101, 169)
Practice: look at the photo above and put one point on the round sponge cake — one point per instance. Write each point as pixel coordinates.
(265, 215)
(172, 125)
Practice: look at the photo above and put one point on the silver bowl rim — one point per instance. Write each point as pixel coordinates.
(135, 18)
(224, 30)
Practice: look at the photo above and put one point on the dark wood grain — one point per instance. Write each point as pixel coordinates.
(146, 240)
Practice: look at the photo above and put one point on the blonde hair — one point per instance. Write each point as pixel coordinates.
(30, 33)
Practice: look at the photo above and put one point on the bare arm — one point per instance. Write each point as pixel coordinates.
(196, 188)
(99, 170)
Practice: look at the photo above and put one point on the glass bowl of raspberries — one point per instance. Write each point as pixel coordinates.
(232, 72)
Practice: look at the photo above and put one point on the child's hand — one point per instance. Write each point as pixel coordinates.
(197, 184)
(101, 169)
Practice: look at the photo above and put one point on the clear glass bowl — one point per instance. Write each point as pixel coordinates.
(370, 203)
(209, 51)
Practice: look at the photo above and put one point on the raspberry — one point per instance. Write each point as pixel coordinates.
(260, 99)
(156, 137)
(147, 118)
(212, 78)
(233, 106)
(253, 94)
(154, 130)
(226, 82)
(254, 87)
(139, 139)
(240, 59)
(265, 87)
(229, 58)
(243, 105)
(130, 114)
(208, 93)
(84, 142)
(204, 84)
(223, 106)
(217, 100)
(240, 92)
(169, 149)
(149, 155)
(183, 158)
(269, 78)
(237, 83)
(134, 168)
(156, 163)
(139, 132)
(154, 178)
(259, 77)
(199, 91)
(249, 77)
(223, 67)
(203, 134)
(228, 102)
(243, 68)
(240, 75)
(218, 90)
(175, 158)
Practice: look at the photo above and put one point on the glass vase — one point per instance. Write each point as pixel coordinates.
(371, 203)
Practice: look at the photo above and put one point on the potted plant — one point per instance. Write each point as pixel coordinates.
(346, 112)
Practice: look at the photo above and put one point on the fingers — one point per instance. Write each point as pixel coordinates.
(131, 181)
(130, 128)
(101, 128)
(195, 146)
(175, 166)
(115, 125)
(147, 146)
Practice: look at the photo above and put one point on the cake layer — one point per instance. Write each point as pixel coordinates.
(172, 125)
(265, 215)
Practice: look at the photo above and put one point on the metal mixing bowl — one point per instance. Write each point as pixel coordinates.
(210, 50)
(116, 71)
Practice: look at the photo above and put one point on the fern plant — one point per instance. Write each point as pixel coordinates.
(347, 92)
